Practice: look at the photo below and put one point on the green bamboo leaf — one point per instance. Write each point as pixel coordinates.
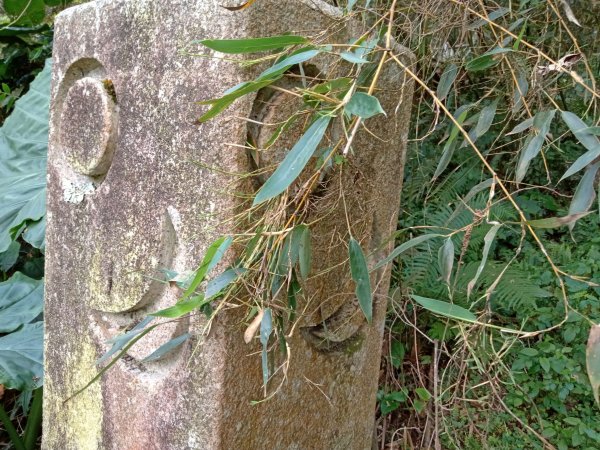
(294, 162)
(404, 247)
(364, 106)
(360, 275)
(593, 360)
(236, 46)
(166, 348)
(445, 309)
(487, 60)
(578, 127)
(120, 341)
(556, 222)
(541, 124)
(446, 260)
(488, 240)
(460, 115)
(583, 161)
(446, 81)
(305, 253)
(523, 126)
(215, 286)
(182, 308)
(266, 328)
(584, 194)
(213, 256)
(353, 58)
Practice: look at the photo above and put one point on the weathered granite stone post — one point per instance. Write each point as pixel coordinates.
(127, 199)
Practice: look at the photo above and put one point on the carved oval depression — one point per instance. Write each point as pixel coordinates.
(333, 319)
(122, 250)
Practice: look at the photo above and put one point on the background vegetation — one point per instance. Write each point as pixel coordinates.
(495, 222)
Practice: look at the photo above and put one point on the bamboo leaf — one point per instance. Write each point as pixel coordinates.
(266, 328)
(236, 46)
(166, 348)
(534, 145)
(446, 260)
(213, 256)
(488, 240)
(446, 81)
(182, 308)
(294, 162)
(305, 252)
(578, 127)
(487, 60)
(445, 309)
(593, 360)
(404, 247)
(584, 194)
(360, 275)
(555, 222)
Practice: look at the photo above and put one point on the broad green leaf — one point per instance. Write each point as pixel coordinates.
(488, 240)
(234, 46)
(25, 12)
(487, 60)
(353, 58)
(593, 361)
(445, 309)
(541, 124)
(405, 246)
(266, 328)
(578, 127)
(23, 150)
(585, 193)
(21, 301)
(182, 308)
(446, 81)
(123, 339)
(446, 260)
(9, 257)
(35, 234)
(294, 162)
(166, 348)
(212, 257)
(556, 222)
(364, 106)
(360, 275)
(21, 358)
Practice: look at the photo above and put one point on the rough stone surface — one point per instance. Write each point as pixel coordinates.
(127, 198)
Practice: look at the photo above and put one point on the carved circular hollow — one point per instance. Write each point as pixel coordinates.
(88, 126)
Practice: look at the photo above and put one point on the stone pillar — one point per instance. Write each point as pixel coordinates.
(126, 198)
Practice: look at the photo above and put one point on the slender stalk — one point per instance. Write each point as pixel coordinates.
(13, 435)
(34, 420)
